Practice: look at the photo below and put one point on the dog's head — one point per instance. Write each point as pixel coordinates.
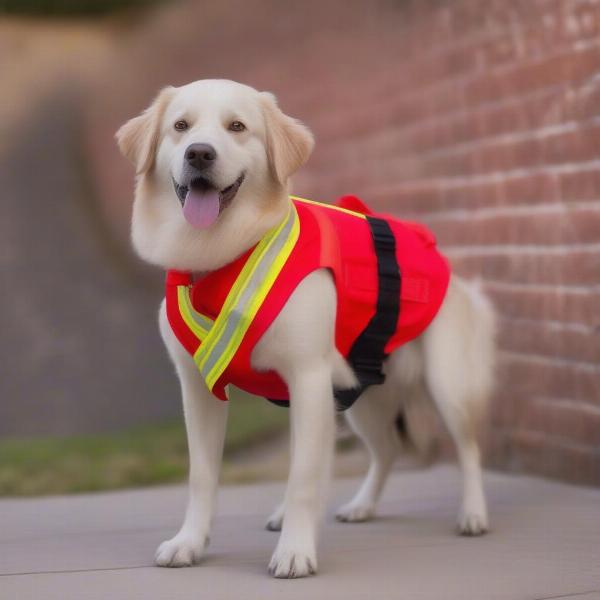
(213, 159)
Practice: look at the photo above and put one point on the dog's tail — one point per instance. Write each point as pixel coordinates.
(480, 350)
(417, 425)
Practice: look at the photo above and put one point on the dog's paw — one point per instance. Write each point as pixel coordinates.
(472, 523)
(288, 563)
(180, 551)
(355, 513)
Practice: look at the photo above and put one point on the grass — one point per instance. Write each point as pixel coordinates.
(142, 456)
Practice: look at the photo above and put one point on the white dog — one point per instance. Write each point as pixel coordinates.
(254, 148)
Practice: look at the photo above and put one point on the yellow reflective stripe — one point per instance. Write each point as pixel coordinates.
(255, 304)
(245, 298)
(203, 352)
(188, 312)
(339, 208)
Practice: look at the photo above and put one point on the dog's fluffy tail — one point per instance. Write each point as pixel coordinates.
(480, 350)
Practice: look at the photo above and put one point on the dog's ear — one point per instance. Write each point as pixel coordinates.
(289, 142)
(138, 138)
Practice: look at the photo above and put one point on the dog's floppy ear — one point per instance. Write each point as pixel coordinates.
(138, 138)
(289, 142)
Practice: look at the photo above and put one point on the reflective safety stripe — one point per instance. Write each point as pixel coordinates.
(197, 322)
(245, 298)
(331, 206)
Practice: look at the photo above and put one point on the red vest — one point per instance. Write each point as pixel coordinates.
(337, 240)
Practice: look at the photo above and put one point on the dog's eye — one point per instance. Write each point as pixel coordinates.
(236, 126)
(181, 125)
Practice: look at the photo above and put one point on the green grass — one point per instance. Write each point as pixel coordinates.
(141, 456)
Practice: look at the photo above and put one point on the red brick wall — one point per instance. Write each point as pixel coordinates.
(485, 124)
(481, 119)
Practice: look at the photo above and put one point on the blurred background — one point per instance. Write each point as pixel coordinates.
(481, 119)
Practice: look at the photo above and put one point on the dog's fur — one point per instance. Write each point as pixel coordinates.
(451, 364)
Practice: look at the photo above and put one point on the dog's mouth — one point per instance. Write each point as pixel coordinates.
(202, 202)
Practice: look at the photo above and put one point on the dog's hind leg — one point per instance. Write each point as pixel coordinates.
(373, 418)
(473, 518)
(459, 349)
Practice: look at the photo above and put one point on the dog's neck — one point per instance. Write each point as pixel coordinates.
(163, 238)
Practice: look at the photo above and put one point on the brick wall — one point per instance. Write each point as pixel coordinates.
(486, 125)
(481, 119)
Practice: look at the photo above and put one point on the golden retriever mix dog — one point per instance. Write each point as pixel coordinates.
(246, 149)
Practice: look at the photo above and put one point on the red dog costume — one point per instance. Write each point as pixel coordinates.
(389, 277)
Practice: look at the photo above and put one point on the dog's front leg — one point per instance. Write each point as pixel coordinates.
(312, 435)
(205, 421)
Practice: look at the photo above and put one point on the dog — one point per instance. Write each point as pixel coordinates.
(242, 148)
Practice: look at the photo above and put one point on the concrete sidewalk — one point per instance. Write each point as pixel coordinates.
(545, 543)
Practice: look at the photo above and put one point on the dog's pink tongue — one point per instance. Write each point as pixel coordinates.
(201, 209)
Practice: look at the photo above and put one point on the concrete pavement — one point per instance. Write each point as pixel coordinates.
(545, 544)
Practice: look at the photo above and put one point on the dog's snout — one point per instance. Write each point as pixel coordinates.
(200, 156)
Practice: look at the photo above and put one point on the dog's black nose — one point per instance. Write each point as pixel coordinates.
(200, 156)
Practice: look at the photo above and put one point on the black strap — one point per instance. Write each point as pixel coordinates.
(368, 351)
